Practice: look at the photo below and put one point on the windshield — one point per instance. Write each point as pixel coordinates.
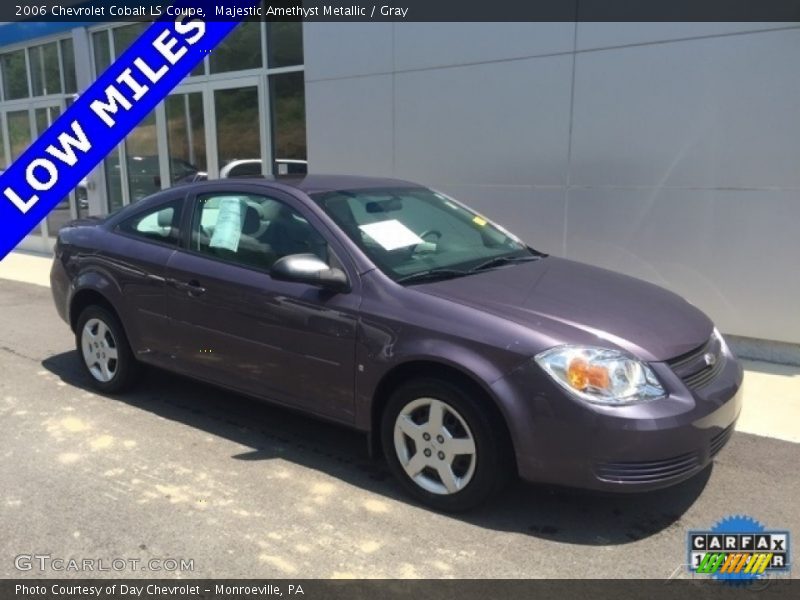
(416, 233)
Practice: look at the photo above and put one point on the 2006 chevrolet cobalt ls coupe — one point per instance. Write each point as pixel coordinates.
(465, 354)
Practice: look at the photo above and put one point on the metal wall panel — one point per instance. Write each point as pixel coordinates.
(669, 151)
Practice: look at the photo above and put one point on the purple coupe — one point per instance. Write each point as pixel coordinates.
(467, 356)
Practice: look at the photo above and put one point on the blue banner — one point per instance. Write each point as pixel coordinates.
(102, 116)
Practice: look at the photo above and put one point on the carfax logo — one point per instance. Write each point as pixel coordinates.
(739, 548)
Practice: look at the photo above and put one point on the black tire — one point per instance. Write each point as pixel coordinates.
(493, 460)
(126, 367)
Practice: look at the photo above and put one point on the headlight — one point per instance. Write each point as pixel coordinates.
(601, 375)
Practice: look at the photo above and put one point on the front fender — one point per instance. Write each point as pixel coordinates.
(380, 356)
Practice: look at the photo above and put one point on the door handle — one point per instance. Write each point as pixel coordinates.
(193, 287)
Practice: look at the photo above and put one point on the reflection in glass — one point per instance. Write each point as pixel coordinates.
(113, 181)
(19, 138)
(60, 215)
(125, 36)
(45, 71)
(141, 147)
(186, 135)
(200, 69)
(15, 77)
(288, 117)
(3, 163)
(285, 43)
(240, 50)
(68, 66)
(238, 132)
(81, 193)
(19, 132)
(102, 51)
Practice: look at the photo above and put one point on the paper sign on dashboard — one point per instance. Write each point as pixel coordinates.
(391, 234)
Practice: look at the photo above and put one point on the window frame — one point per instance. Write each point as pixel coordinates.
(144, 211)
(337, 251)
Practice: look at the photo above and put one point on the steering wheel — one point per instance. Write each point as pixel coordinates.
(422, 236)
(428, 232)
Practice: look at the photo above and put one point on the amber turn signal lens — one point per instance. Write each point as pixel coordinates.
(582, 375)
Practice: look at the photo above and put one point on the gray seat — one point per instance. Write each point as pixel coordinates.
(286, 234)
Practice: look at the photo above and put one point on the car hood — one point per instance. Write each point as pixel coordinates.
(570, 302)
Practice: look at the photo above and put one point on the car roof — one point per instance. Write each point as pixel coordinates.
(309, 184)
(331, 183)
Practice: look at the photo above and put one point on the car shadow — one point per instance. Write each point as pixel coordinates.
(558, 514)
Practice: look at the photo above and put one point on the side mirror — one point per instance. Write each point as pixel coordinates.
(308, 268)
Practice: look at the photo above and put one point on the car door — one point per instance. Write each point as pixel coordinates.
(137, 259)
(236, 326)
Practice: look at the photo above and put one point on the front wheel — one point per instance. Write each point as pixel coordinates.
(104, 350)
(444, 445)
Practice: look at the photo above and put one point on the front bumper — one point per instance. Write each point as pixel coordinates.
(60, 288)
(562, 440)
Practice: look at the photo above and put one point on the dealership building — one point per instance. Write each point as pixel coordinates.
(668, 151)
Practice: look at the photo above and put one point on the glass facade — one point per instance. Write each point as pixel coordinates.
(285, 44)
(61, 214)
(240, 51)
(19, 132)
(241, 112)
(124, 36)
(45, 70)
(15, 77)
(68, 66)
(288, 115)
(113, 174)
(236, 111)
(37, 83)
(19, 138)
(2, 149)
(186, 136)
(101, 44)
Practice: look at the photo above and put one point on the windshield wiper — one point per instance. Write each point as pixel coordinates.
(498, 261)
(432, 275)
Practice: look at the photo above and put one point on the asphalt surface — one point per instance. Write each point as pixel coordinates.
(181, 470)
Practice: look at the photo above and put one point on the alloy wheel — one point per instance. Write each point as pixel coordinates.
(99, 350)
(435, 446)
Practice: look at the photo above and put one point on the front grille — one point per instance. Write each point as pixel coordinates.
(700, 366)
(719, 440)
(647, 471)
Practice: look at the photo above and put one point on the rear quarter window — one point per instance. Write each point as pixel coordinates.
(159, 224)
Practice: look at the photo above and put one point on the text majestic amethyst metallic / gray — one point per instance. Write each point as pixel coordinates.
(465, 354)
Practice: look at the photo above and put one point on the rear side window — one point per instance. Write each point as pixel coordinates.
(159, 224)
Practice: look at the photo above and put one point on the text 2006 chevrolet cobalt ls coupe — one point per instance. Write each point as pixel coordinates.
(465, 354)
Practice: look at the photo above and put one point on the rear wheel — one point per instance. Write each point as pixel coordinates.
(104, 350)
(444, 445)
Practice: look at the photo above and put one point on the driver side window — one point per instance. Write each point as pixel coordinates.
(252, 230)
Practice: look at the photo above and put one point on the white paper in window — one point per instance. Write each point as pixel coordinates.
(391, 234)
(228, 230)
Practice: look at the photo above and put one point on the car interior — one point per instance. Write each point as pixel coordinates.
(262, 230)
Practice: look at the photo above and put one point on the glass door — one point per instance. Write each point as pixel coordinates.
(216, 130)
(65, 211)
(186, 137)
(18, 127)
(238, 110)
